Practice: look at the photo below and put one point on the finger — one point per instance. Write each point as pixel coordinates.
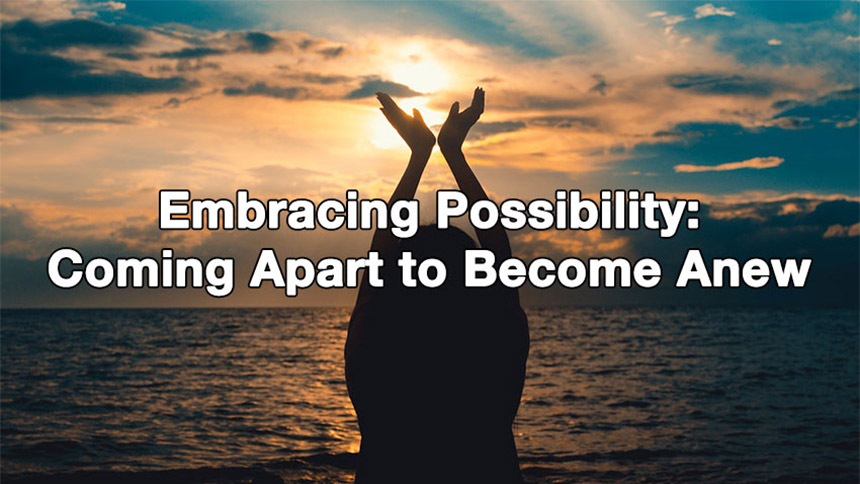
(386, 101)
(455, 109)
(388, 117)
(417, 115)
(383, 98)
(390, 105)
(478, 100)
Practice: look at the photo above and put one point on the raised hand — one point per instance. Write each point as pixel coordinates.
(457, 126)
(412, 129)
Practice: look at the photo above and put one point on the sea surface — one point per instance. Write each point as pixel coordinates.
(686, 395)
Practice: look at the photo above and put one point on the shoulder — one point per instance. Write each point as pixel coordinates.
(358, 331)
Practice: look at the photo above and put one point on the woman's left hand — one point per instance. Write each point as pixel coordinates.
(412, 129)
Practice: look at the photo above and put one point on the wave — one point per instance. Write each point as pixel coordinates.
(328, 467)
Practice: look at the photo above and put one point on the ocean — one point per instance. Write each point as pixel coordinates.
(258, 395)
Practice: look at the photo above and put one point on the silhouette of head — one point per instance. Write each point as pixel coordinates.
(447, 245)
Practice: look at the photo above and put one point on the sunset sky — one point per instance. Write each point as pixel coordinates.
(750, 107)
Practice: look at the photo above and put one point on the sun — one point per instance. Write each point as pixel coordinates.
(420, 72)
(417, 69)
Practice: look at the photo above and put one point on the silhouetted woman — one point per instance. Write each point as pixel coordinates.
(436, 375)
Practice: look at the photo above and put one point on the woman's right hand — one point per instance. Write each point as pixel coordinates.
(457, 126)
(412, 129)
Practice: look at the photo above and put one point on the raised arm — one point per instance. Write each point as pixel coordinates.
(451, 138)
(420, 140)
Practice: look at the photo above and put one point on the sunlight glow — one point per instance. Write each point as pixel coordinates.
(420, 71)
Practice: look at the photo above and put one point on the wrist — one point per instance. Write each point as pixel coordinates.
(451, 149)
(418, 151)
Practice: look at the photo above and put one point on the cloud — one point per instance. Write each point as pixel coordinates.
(332, 52)
(323, 79)
(30, 68)
(190, 53)
(42, 10)
(485, 129)
(788, 122)
(24, 75)
(19, 230)
(838, 230)
(259, 42)
(709, 10)
(657, 13)
(128, 55)
(724, 84)
(61, 34)
(30, 75)
(837, 107)
(565, 122)
(601, 87)
(757, 163)
(86, 120)
(263, 89)
(372, 85)
(671, 20)
(517, 100)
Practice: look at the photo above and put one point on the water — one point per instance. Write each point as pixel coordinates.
(257, 395)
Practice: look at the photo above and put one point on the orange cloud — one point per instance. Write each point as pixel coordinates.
(757, 163)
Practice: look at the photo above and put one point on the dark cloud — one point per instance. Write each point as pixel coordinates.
(145, 233)
(175, 102)
(331, 52)
(565, 122)
(601, 87)
(18, 225)
(312, 78)
(790, 122)
(263, 89)
(833, 107)
(25, 74)
(722, 84)
(482, 129)
(27, 69)
(259, 42)
(190, 53)
(70, 33)
(372, 85)
(86, 120)
(129, 56)
(307, 43)
(315, 78)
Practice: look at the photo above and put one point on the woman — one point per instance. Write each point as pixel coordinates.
(436, 375)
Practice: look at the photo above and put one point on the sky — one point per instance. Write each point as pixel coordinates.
(750, 107)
